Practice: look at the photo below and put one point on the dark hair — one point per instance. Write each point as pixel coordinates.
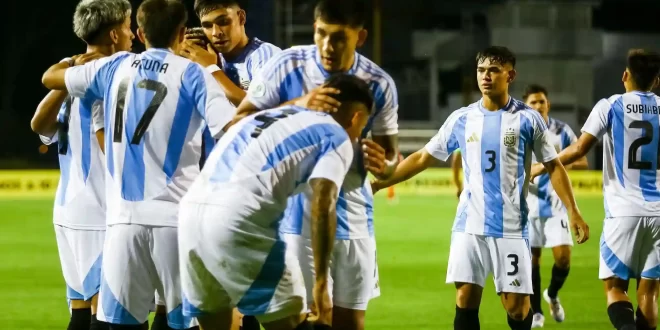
(92, 17)
(345, 12)
(498, 54)
(644, 67)
(203, 7)
(351, 90)
(533, 89)
(160, 20)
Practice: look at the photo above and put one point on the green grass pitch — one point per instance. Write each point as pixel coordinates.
(413, 245)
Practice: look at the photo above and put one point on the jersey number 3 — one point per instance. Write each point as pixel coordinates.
(149, 113)
(647, 137)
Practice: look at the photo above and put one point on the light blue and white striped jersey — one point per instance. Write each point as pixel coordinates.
(496, 149)
(542, 200)
(629, 123)
(264, 159)
(80, 196)
(155, 104)
(240, 71)
(293, 73)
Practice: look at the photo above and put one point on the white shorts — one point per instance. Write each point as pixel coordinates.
(630, 248)
(139, 260)
(222, 268)
(353, 270)
(473, 257)
(81, 254)
(549, 232)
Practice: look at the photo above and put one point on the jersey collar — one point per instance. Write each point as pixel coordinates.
(492, 113)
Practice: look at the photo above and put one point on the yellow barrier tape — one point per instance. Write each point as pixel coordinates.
(435, 181)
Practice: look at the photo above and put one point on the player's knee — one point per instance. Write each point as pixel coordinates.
(80, 304)
(516, 305)
(536, 261)
(563, 258)
(468, 295)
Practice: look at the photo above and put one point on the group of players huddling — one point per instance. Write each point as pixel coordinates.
(224, 179)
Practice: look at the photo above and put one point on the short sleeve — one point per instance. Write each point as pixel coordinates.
(260, 57)
(444, 143)
(334, 164)
(98, 121)
(386, 121)
(568, 137)
(209, 99)
(597, 122)
(543, 149)
(90, 79)
(264, 91)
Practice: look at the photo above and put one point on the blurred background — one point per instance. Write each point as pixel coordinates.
(575, 48)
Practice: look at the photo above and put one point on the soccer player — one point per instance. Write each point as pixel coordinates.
(231, 251)
(295, 76)
(547, 216)
(231, 56)
(630, 241)
(79, 213)
(497, 136)
(155, 103)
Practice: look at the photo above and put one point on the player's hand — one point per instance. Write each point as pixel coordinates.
(86, 58)
(579, 227)
(203, 56)
(376, 185)
(374, 158)
(537, 169)
(322, 306)
(320, 99)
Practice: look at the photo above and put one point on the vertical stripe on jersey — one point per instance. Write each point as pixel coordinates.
(343, 229)
(618, 131)
(85, 111)
(649, 152)
(65, 174)
(232, 153)
(458, 141)
(292, 86)
(490, 149)
(524, 161)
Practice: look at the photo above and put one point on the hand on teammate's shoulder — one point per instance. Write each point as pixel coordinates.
(82, 59)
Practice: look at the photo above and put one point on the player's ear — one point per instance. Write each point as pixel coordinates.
(140, 34)
(242, 16)
(362, 37)
(114, 36)
(182, 35)
(512, 75)
(625, 76)
(656, 83)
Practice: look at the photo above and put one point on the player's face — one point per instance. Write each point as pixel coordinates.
(538, 102)
(494, 78)
(358, 122)
(225, 28)
(124, 39)
(336, 44)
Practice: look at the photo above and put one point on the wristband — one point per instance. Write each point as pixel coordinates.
(213, 68)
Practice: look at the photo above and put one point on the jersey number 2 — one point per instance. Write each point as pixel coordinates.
(647, 137)
(149, 113)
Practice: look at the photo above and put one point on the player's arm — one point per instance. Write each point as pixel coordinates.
(98, 124)
(209, 99)
(44, 121)
(384, 133)
(456, 167)
(54, 77)
(545, 151)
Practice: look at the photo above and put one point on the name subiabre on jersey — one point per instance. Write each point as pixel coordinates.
(629, 127)
(496, 150)
(155, 103)
(294, 72)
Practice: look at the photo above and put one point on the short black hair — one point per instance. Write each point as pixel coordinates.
(533, 89)
(345, 12)
(644, 67)
(351, 90)
(498, 54)
(203, 7)
(160, 21)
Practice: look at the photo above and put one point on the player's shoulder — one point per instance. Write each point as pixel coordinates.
(266, 46)
(372, 72)
(463, 112)
(557, 126)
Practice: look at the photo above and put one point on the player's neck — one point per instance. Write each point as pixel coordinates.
(349, 64)
(545, 117)
(495, 102)
(103, 49)
(632, 88)
(238, 50)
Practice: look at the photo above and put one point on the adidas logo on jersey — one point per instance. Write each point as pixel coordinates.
(515, 283)
(473, 138)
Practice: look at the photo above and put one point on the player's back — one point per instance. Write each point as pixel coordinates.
(80, 196)
(264, 159)
(155, 106)
(630, 154)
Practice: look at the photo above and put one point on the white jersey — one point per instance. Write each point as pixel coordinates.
(155, 103)
(293, 73)
(542, 199)
(80, 197)
(496, 149)
(629, 123)
(240, 71)
(267, 157)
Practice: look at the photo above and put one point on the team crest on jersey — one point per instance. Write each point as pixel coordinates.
(510, 137)
(259, 90)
